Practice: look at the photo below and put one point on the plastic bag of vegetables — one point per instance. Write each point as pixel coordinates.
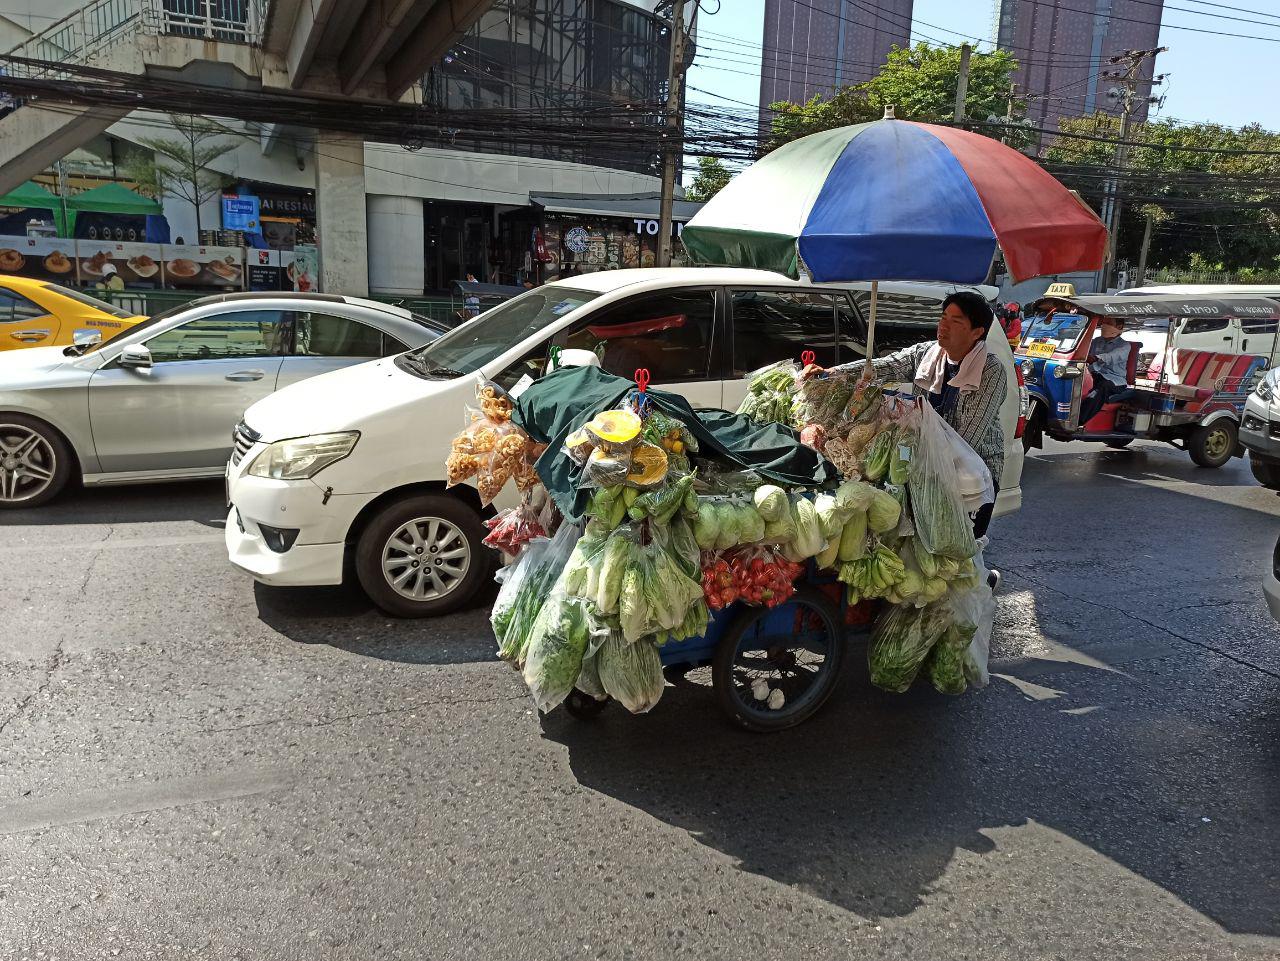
(556, 645)
(977, 606)
(629, 673)
(942, 524)
(526, 585)
(900, 641)
(770, 394)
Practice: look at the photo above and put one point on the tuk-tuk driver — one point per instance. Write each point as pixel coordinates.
(1109, 361)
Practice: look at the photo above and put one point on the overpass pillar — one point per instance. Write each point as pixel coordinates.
(341, 224)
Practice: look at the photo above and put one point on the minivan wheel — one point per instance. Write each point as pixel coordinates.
(1214, 444)
(1265, 471)
(423, 556)
(35, 462)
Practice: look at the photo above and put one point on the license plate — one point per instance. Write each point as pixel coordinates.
(1041, 350)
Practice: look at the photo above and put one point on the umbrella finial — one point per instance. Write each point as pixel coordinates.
(888, 112)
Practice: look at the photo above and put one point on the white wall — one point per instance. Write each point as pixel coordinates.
(396, 245)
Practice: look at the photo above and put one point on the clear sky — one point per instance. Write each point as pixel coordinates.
(1226, 79)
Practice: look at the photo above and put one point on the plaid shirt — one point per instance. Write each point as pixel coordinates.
(976, 414)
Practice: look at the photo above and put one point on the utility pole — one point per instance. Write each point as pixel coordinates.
(673, 132)
(1127, 94)
(1140, 277)
(962, 82)
(1007, 135)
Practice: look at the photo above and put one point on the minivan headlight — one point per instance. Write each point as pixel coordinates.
(1269, 384)
(303, 457)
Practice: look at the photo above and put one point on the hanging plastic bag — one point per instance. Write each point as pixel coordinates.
(941, 520)
(511, 529)
(976, 605)
(526, 585)
(554, 650)
(900, 641)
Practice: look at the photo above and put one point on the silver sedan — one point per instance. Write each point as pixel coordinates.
(158, 402)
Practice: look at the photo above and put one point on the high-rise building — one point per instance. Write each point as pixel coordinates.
(820, 46)
(1064, 49)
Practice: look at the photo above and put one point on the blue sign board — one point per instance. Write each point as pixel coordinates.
(240, 213)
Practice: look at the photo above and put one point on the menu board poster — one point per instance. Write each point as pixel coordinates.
(303, 271)
(41, 258)
(201, 266)
(137, 264)
(263, 270)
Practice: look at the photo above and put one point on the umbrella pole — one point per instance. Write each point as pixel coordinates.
(871, 330)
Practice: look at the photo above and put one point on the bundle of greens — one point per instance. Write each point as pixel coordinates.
(771, 394)
(900, 641)
(525, 589)
(938, 512)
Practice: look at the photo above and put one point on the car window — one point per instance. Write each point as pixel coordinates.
(15, 307)
(772, 325)
(670, 333)
(245, 333)
(326, 335)
(391, 346)
(1258, 326)
(82, 298)
(900, 308)
(1204, 326)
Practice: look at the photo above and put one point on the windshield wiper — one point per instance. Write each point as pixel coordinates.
(416, 364)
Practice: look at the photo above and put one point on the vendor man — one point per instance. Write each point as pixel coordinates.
(963, 380)
(1109, 362)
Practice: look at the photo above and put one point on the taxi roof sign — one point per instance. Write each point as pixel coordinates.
(1060, 289)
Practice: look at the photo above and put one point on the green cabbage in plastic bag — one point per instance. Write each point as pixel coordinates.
(557, 643)
(631, 674)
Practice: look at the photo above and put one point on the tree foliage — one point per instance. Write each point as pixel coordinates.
(180, 166)
(1209, 210)
(920, 82)
(712, 177)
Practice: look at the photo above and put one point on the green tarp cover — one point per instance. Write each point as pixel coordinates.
(562, 401)
(32, 196)
(113, 199)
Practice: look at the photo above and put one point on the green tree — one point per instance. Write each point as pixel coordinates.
(920, 82)
(712, 177)
(1218, 211)
(180, 166)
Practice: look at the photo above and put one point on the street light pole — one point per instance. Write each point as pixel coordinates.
(673, 131)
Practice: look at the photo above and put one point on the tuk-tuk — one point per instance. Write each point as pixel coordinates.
(1191, 399)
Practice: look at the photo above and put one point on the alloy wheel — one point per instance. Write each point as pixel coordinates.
(425, 558)
(28, 463)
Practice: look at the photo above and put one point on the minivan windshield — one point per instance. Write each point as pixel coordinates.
(466, 349)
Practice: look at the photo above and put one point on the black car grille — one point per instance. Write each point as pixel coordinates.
(242, 438)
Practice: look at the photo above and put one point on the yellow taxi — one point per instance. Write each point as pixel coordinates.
(36, 313)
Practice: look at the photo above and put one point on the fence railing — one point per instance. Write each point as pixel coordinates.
(102, 24)
(1168, 275)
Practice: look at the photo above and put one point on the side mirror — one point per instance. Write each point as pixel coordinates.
(135, 356)
(86, 337)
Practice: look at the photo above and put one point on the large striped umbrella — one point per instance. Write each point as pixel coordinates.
(897, 200)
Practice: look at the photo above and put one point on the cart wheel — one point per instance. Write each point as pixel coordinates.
(583, 706)
(795, 649)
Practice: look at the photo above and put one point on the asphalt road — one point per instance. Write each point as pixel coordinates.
(194, 767)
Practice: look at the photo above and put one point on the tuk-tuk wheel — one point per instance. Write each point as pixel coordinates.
(1214, 444)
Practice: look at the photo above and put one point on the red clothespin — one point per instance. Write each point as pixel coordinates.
(642, 378)
(807, 357)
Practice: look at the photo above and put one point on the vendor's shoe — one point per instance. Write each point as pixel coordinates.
(993, 580)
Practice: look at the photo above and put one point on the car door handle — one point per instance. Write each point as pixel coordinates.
(246, 375)
(29, 336)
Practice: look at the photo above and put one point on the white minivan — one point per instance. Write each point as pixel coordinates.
(347, 469)
(1222, 336)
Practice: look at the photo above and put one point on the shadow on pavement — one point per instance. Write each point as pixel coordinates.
(343, 618)
(198, 501)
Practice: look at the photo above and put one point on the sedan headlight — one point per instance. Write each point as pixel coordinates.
(303, 457)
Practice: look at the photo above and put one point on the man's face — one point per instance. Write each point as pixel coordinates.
(1110, 329)
(955, 334)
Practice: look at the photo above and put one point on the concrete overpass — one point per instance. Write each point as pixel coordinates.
(374, 49)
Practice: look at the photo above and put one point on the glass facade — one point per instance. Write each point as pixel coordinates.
(550, 56)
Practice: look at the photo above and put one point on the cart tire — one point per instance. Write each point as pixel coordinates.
(825, 632)
(1214, 444)
(1265, 472)
(1120, 444)
(583, 706)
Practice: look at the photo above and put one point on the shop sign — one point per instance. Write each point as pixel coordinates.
(577, 239)
(240, 213)
(650, 227)
(287, 205)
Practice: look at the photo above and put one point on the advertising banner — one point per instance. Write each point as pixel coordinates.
(199, 266)
(137, 264)
(41, 258)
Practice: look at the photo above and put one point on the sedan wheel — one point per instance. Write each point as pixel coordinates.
(34, 462)
(425, 559)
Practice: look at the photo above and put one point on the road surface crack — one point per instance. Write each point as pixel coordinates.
(364, 715)
(1152, 624)
(57, 658)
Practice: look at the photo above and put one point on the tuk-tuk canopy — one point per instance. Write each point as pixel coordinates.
(1211, 308)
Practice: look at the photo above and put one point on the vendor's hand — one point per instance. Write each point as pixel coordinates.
(810, 370)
